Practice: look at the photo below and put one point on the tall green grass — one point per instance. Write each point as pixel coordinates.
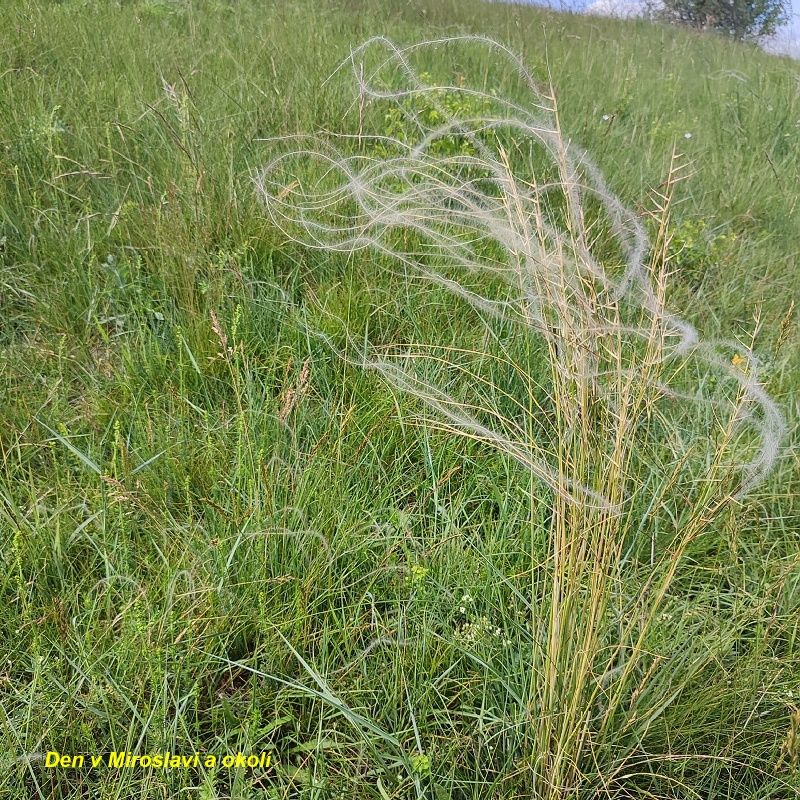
(218, 534)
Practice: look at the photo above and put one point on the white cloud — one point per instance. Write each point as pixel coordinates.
(622, 9)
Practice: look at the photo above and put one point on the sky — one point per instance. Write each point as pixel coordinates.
(792, 34)
(787, 41)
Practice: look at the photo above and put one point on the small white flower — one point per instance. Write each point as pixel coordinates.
(462, 609)
(687, 135)
(606, 118)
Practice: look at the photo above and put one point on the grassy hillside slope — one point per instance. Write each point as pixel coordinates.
(218, 536)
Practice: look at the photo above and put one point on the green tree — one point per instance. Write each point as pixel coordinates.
(739, 19)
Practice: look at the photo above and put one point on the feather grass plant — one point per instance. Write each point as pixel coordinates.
(635, 425)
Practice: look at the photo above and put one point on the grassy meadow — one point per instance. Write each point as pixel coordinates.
(227, 526)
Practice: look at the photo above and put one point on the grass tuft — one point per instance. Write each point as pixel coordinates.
(517, 224)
